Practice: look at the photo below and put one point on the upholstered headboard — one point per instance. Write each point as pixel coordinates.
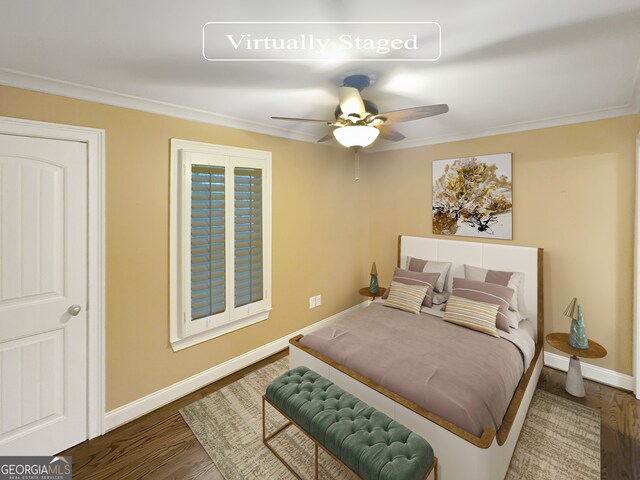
(486, 255)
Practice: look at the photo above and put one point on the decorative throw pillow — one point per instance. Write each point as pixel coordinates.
(514, 280)
(428, 266)
(440, 298)
(406, 297)
(487, 293)
(478, 316)
(415, 278)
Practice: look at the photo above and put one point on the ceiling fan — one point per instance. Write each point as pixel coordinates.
(358, 123)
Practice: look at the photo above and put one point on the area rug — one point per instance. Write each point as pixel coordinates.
(560, 439)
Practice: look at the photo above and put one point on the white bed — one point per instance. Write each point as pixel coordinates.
(461, 455)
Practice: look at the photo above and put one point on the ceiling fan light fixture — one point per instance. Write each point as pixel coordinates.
(356, 135)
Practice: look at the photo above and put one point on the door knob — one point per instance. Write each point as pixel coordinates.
(74, 309)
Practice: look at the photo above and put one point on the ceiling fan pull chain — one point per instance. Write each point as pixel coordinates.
(357, 161)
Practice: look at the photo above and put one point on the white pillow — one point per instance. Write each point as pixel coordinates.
(514, 280)
(513, 318)
(429, 266)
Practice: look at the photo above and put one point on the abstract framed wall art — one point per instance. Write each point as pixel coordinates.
(472, 196)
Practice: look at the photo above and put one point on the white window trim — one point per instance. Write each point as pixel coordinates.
(180, 339)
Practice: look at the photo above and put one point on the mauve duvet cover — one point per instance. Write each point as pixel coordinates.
(463, 376)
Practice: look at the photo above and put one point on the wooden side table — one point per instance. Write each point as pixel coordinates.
(364, 291)
(575, 384)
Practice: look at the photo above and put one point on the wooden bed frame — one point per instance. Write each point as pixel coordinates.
(461, 454)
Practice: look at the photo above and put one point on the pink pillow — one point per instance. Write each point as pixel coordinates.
(416, 278)
(487, 293)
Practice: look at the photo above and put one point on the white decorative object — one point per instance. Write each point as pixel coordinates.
(575, 385)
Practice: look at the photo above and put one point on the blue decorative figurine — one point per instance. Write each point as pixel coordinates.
(577, 333)
(374, 289)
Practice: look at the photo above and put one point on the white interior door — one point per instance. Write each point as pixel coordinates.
(43, 295)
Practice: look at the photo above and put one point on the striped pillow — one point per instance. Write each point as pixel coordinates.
(415, 278)
(513, 280)
(478, 316)
(487, 293)
(406, 297)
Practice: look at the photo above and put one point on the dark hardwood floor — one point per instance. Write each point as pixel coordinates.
(160, 445)
(620, 434)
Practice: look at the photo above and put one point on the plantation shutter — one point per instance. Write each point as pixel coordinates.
(248, 238)
(208, 277)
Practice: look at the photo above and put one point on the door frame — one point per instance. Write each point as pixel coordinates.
(95, 141)
(636, 279)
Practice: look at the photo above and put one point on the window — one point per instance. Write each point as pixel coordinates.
(220, 227)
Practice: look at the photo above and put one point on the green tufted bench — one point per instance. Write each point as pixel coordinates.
(368, 442)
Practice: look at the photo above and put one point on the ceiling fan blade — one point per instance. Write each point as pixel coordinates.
(415, 113)
(327, 137)
(389, 133)
(351, 102)
(292, 119)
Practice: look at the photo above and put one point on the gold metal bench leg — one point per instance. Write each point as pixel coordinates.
(265, 439)
(434, 469)
(316, 449)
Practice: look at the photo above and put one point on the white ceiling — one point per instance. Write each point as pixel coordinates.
(505, 66)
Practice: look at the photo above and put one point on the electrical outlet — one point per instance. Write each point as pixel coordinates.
(318, 300)
(312, 302)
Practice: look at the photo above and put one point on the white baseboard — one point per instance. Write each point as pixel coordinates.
(148, 403)
(599, 374)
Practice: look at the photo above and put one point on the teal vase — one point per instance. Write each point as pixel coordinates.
(577, 334)
(374, 289)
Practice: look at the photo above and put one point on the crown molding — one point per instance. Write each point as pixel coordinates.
(514, 128)
(14, 78)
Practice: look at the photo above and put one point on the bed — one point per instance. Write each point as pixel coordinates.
(473, 439)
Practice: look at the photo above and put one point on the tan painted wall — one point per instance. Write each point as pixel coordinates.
(320, 237)
(573, 195)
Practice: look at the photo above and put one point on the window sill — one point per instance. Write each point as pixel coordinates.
(178, 344)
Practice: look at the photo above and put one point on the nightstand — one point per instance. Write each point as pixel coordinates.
(575, 384)
(364, 291)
